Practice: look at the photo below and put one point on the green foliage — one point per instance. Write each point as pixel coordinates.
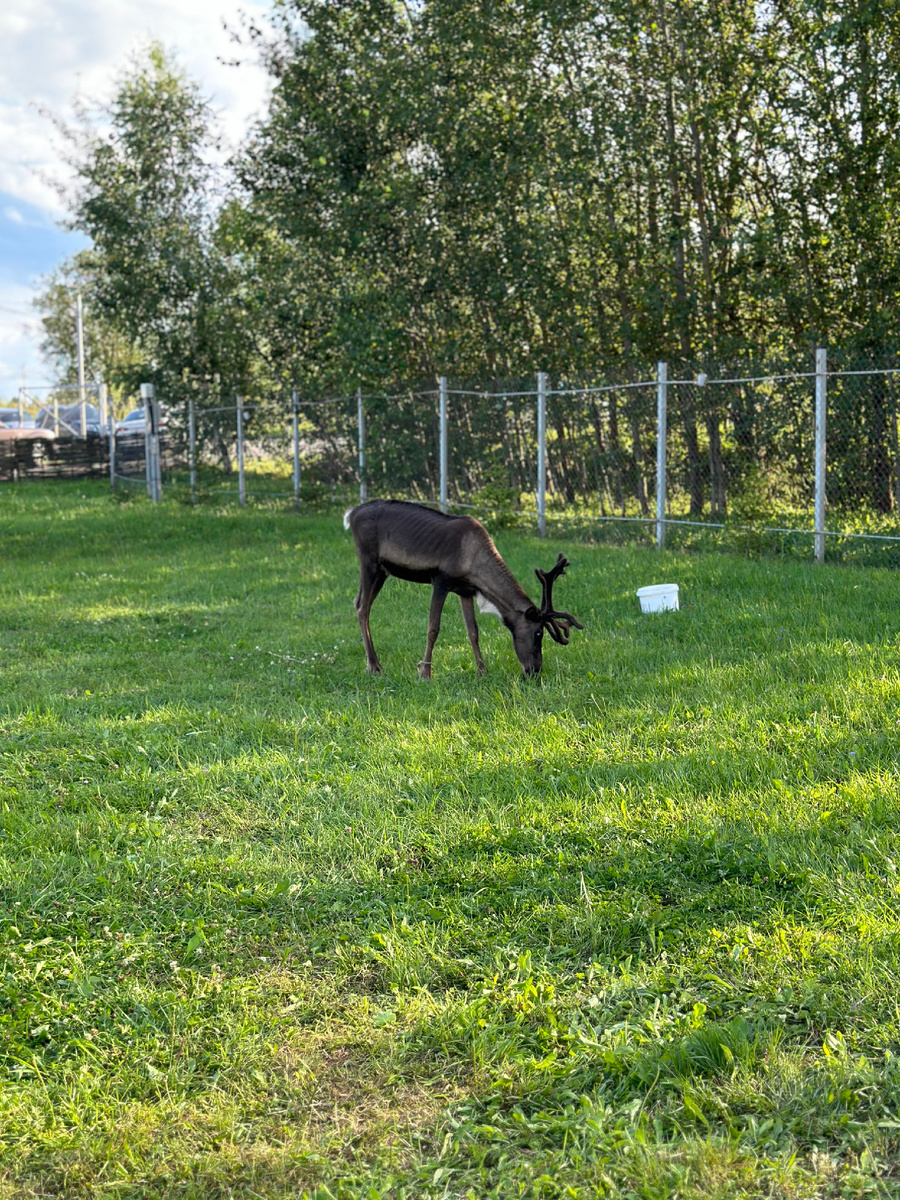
(272, 927)
(141, 201)
(488, 189)
(498, 506)
(491, 188)
(162, 299)
(110, 354)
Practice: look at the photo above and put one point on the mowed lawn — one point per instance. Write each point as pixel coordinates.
(270, 927)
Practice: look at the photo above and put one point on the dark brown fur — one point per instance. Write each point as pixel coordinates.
(453, 554)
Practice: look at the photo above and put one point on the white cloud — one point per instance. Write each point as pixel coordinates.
(19, 335)
(53, 50)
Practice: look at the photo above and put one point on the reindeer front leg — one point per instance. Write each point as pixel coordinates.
(468, 611)
(438, 596)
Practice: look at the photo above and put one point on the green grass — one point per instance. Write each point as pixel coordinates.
(270, 927)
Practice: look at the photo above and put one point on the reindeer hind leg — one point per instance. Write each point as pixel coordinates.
(371, 581)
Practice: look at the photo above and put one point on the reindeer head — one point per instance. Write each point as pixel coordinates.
(528, 629)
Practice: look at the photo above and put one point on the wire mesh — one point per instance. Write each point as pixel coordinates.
(742, 449)
(740, 452)
(863, 453)
(492, 443)
(601, 450)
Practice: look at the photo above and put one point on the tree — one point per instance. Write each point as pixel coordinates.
(146, 197)
(486, 188)
(109, 354)
(162, 279)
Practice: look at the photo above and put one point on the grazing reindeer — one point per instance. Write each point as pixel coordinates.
(453, 554)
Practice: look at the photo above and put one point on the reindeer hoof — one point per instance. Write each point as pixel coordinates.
(424, 670)
(373, 668)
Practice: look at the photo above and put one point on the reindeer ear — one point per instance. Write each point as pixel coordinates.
(532, 614)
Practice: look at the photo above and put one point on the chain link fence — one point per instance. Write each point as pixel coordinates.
(736, 466)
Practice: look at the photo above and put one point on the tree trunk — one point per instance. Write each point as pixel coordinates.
(640, 486)
(879, 457)
(602, 482)
(616, 451)
(716, 465)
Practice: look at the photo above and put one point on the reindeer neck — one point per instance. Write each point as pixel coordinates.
(496, 582)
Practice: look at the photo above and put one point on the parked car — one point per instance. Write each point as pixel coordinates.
(10, 419)
(133, 422)
(70, 420)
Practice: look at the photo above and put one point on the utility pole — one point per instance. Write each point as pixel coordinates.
(79, 341)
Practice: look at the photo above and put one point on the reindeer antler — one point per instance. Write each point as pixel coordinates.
(548, 578)
(557, 624)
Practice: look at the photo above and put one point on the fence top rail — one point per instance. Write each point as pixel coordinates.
(745, 379)
(398, 395)
(485, 395)
(57, 387)
(326, 401)
(867, 371)
(301, 402)
(606, 387)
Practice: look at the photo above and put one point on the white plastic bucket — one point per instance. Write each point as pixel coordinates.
(658, 597)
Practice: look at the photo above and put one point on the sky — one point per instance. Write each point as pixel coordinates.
(51, 52)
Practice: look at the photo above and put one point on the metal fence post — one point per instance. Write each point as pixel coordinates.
(155, 443)
(361, 422)
(79, 345)
(147, 390)
(242, 486)
(442, 384)
(157, 450)
(542, 453)
(295, 405)
(821, 413)
(662, 412)
(111, 427)
(192, 448)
